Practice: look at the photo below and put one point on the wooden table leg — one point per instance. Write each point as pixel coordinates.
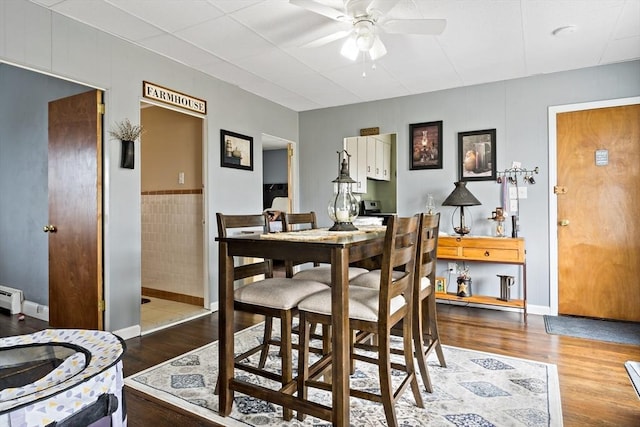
(225, 332)
(340, 336)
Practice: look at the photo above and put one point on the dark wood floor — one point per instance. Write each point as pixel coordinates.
(594, 386)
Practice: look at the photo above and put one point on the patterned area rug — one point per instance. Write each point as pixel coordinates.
(476, 389)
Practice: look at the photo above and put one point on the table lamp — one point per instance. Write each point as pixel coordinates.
(343, 206)
(461, 197)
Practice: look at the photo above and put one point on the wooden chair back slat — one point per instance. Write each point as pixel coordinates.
(226, 223)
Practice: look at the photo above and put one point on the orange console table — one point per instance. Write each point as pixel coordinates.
(502, 250)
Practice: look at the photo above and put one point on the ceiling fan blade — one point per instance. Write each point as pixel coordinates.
(327, 39)
(320, 9)
(378, 8)
(415, 26)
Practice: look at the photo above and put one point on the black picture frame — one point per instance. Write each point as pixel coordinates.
(477, 155)
(236, 150)
(425, 147)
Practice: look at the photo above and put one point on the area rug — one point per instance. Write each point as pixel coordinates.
(593, 329)
(475, 389)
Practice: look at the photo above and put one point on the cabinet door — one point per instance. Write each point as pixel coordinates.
(379, 155)
(371, 157)
(356, 146)
(386, 161)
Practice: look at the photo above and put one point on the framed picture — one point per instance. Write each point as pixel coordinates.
(236, 151)
(426, 145)
(441, 284)
(477, 155)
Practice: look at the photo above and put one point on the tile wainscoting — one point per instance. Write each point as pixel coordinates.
(172, 241)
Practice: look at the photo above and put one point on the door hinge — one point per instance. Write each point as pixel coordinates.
(290, 151)
(101, 108)
(101, 305)
(559, 190)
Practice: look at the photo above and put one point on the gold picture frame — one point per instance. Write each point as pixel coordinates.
(441, 285)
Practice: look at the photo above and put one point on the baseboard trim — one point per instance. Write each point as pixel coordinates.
(172, 296)
(127, 333)
(33, 309)
(214, 306)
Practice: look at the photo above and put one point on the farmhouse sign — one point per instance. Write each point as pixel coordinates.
(168, 96)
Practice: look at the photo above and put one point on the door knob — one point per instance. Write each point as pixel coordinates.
(49, 228)
(563, 222)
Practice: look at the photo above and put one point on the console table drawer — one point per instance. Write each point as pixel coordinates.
(446, 251)
(491, 254)
(487, 249)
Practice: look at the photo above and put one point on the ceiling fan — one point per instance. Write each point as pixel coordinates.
(367, 19)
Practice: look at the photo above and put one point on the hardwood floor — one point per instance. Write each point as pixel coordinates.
(594, 386)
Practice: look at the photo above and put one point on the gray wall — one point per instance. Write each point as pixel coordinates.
(518, 109)
(275, 166)
(24, 208)
(34, 37)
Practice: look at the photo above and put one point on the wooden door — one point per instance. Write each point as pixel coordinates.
(598, 231)
(75, 212)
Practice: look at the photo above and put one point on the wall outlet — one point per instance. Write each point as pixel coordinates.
(453, 267)
(522, 192)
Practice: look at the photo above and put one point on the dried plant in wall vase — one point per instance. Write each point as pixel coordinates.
(127, 133)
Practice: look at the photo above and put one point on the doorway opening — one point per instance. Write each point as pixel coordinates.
(174, 288)
(277, 174)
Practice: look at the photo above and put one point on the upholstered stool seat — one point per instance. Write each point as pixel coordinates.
(363, 303)
(279, 293)
(323, 274)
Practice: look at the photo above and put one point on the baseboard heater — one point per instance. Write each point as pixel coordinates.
(11, 299)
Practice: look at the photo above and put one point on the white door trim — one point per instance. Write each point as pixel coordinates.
(553, 177)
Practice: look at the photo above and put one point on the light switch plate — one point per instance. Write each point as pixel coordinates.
(513, 193)
(513, 206)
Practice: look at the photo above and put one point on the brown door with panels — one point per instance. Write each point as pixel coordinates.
(75, 212)
(598, 194)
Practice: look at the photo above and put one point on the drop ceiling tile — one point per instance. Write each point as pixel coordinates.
(628, 24)
(281, 23)
(227, 72)
(273, 64)
(320, 89)
(170, 15)
(586, 46)
(378, 83)
(108, 18)
(226, 38)
(177, 49)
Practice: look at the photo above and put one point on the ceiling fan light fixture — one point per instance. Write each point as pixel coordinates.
(350, 48)
(377, 50)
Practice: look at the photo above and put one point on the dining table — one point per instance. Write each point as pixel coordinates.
(340, 249)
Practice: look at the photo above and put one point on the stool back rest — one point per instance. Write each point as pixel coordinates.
(399, 254)
(426, 254)
(298, 221)
(305, 221)
(227, 223)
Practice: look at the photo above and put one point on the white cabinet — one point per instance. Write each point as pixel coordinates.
(386, 161)
(356, 146)
(378, 159)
